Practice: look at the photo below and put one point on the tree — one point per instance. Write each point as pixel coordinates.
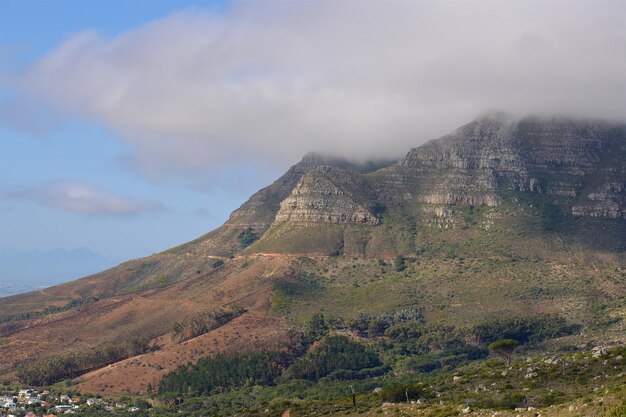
(317, 327)
(400, 263)
(503, 348)
(353, 396)
(247, 237)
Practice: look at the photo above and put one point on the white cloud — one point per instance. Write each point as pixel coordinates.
(79, 197)
(272, 80)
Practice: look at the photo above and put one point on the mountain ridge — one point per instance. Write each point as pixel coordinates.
(496, 207)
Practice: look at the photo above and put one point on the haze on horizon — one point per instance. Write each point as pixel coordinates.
(135, 137)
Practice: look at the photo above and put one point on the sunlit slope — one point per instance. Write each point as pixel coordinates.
(501, 218)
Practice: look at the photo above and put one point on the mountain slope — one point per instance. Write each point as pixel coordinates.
(500, 218)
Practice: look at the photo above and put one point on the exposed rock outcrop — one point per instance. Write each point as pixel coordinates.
(577, 165)
(608, 202)
(570, 160)
(260, 209)
(259, 212)
(327, 195)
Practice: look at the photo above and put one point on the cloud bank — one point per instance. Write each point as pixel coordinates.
(79, 197)
(269, 81)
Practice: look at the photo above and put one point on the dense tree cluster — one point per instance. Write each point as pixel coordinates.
(419, 347)
(366, 325)
(422, 347)
(48, 371)
(247, 237)
(337, 356)
(334, 354)
(225, 372)
(73, 303)
(407, 343)
(204, 322)
(524, 330)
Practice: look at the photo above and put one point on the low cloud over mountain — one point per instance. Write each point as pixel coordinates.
(83, 198)
(270, 81)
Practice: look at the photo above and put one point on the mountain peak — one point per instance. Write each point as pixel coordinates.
(329, 195)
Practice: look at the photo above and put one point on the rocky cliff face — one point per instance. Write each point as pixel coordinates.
(327, 194)
(256, 215)
(260, 211)
(608, 201)
(581, 164)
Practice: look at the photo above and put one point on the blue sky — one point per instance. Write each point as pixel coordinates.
(128, 127)
(77, 149)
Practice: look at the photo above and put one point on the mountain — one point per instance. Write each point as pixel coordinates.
(502, 218)
(26, 270)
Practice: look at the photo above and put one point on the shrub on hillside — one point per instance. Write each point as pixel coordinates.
(247, 237)
(400, 263)
(398, 393)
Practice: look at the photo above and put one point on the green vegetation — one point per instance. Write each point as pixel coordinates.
(247, 237)
(400, 263)
(204, 322)
(225, 372)
(159, 282)
(319, 368)
(289, 291)
(28, 315)
(557, 385)
(524, 330)
(316, 328)
(366, 325)
(339, 357)
(504, 348)
(57, 368)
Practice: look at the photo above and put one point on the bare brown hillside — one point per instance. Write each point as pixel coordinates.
(245, 282)
(249, 332)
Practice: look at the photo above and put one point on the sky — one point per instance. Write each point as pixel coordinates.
(130, 127)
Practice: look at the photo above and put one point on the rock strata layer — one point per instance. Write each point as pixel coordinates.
(326, 195)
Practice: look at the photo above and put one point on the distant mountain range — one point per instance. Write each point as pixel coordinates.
(22, 271)
(502, 218)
